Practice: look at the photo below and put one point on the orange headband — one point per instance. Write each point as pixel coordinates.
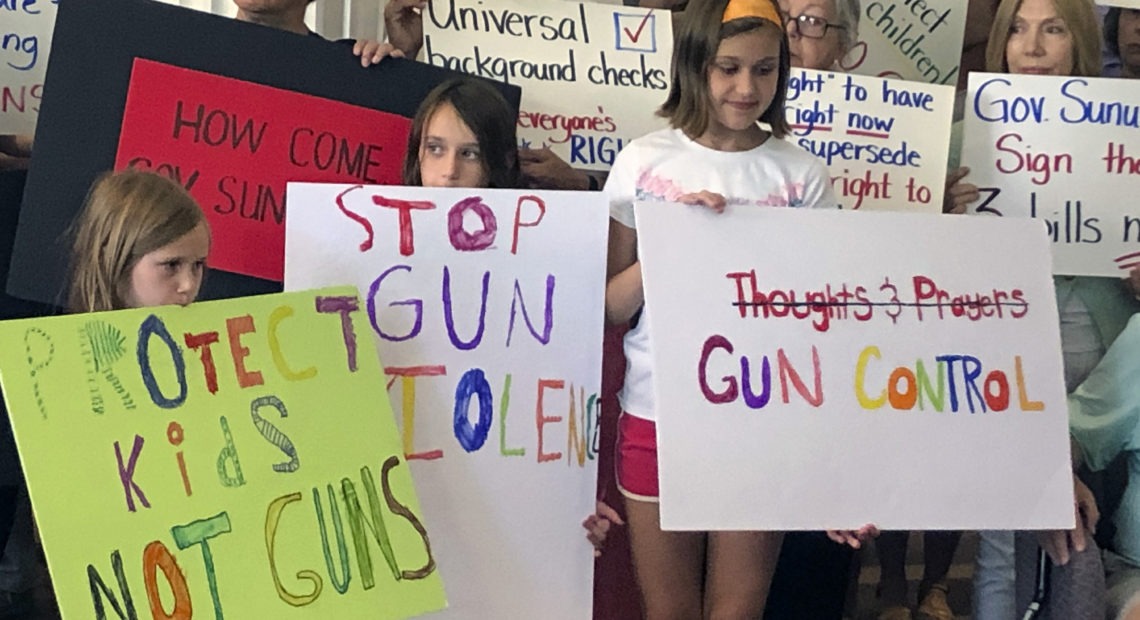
(751, 8)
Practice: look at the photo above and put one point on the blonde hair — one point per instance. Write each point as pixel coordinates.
(1080, 18)
(126, 216)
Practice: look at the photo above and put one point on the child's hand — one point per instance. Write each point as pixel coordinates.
(854, 538)
(372, 52)
(959, 195)
(598, 525)
(711, 200)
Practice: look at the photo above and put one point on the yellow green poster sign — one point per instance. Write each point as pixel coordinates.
(227, 459)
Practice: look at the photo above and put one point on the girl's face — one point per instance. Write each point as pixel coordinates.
(814, 50)
(171, 274)
(742, 78)
(1040, 42)
(449, 152)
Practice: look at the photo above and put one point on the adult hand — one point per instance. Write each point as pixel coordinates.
(542, 169)
(404, 23)
(372, 52)
(1060, 544)
(959, 195)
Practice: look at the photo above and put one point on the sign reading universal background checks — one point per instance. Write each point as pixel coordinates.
(491, 336)
(237, 459)
(591, 74)
(25, 37)
(919, 40)
(801, 372)
(883, 140)
(1065, 150)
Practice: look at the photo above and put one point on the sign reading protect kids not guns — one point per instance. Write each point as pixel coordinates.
(884, 141)
(1065, 150)
(235, 459)
(919, 40)
(888, 386)
(487, 307)
(25, 37)
(591, 74)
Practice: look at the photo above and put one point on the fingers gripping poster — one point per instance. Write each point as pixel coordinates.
(804, 386)
(486, 306)
(229, 459)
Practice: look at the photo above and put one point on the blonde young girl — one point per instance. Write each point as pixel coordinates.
(730, 70)
(141, 240)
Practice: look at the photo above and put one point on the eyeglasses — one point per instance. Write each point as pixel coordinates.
(810, 26)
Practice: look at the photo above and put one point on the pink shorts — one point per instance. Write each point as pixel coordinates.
(636, 460)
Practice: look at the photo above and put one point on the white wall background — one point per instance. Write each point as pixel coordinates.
(333, 19)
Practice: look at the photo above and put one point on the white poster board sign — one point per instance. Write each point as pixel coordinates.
(1063, 150)
(25, 38)
(804, 385)
(592, 75)
(913, 40)
(487, 308)
(885, 142)
(1125, 4)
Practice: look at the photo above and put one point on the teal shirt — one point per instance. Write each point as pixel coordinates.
(1104, 419)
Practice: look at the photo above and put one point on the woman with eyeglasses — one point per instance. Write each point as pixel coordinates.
(820, 32)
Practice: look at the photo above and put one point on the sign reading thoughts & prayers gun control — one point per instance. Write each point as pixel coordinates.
(884, 141)
(233, 458)
(592, 74)
(487, 308)
(1064, 150)
(919, 40)
(871, 380)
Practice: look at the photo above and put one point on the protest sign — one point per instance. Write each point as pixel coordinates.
(884, 141)
(233, 458)
(1065, 150)
(891, 386)
(173, 89)
(25, 38)
(1126, 4)
(918, 40)
(487, 307)
(592, 75)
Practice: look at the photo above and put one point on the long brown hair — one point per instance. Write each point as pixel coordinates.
(484, 110)
(688, 107)
(1080, 18)
(126, 216)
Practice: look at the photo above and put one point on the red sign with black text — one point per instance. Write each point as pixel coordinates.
(234, 145)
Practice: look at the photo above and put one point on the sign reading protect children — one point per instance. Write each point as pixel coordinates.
(235, 459)
(591, 74)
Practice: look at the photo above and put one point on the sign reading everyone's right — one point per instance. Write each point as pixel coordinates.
(1065, 150)
(592, 74)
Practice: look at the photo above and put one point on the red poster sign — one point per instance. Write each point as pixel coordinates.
(234, 145)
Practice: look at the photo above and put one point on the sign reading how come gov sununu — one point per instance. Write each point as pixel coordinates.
(229, 459)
